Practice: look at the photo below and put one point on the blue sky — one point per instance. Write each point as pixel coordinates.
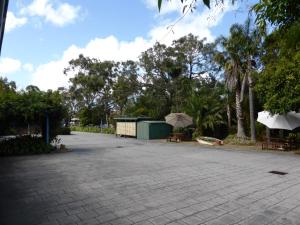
(41, 36)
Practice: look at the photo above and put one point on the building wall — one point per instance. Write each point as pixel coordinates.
(153, 130)
(159, 130)
(126, 128)
(143, 131)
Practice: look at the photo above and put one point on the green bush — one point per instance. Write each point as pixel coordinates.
(91, 129)
(24, 145)
(260, 131)
(234, 140)
(64, 131)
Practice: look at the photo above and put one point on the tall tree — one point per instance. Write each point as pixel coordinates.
(279, 81)
(231, 59)
(126, 84)
(251, 39)
(6, 85)
(279, 13)
(189, 52)
(92, 82)
(159, 70)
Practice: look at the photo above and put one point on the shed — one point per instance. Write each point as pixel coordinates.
(147, 130)
(127, 125)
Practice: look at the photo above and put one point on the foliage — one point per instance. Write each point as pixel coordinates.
(234, 140)
(191, 5)
(30, 107)
(93, 129)
(231, 60)
(64, 131)
(279, 85)
(279, 82)
(91, 79)
(24, 145)
(206, 105)
(280, 13)
(6, 86)
(126, 85)
(91, 85)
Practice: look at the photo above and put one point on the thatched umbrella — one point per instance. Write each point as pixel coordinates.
(179, 120)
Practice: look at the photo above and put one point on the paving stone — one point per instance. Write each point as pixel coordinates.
(174, 215)
(192, 220)
(160, 220)
(106, 217)
(148, 182)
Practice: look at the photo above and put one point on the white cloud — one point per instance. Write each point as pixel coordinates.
(9, 65)
(58, 14)
(198, 23)
(50, 75)
(28, 67)
(13, 22)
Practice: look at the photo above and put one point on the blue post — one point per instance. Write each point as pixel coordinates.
(47, 129)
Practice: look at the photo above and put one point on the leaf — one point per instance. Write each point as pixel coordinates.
(159, 2)
(207, 3)
(184, 8)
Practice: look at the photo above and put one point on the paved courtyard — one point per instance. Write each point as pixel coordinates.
(121, 181)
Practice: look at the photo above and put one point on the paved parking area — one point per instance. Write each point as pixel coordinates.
(109, 180)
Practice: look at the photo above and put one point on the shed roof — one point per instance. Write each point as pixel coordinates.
(132, 118)
(153, 121)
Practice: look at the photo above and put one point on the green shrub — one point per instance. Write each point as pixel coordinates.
(64, 131)
(24, 145)
(260, 131)
(234, 140)
(91, 129)
(108, 130)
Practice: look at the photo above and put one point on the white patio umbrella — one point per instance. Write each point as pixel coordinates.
(178, 120)
(289, 121)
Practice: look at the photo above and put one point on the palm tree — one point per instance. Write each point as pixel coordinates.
(251, 39)
(206, 106)
(231, 61)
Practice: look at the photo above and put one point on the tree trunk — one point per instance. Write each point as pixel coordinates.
(228, 116)
(251, 107)
(191, 71)
(239, 114)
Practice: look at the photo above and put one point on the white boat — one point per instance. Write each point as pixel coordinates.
(209, 141)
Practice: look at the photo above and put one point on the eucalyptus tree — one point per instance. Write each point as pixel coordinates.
(188, 51)
(126, 85)
(159, 71)
(92, 81)
(6, 85)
